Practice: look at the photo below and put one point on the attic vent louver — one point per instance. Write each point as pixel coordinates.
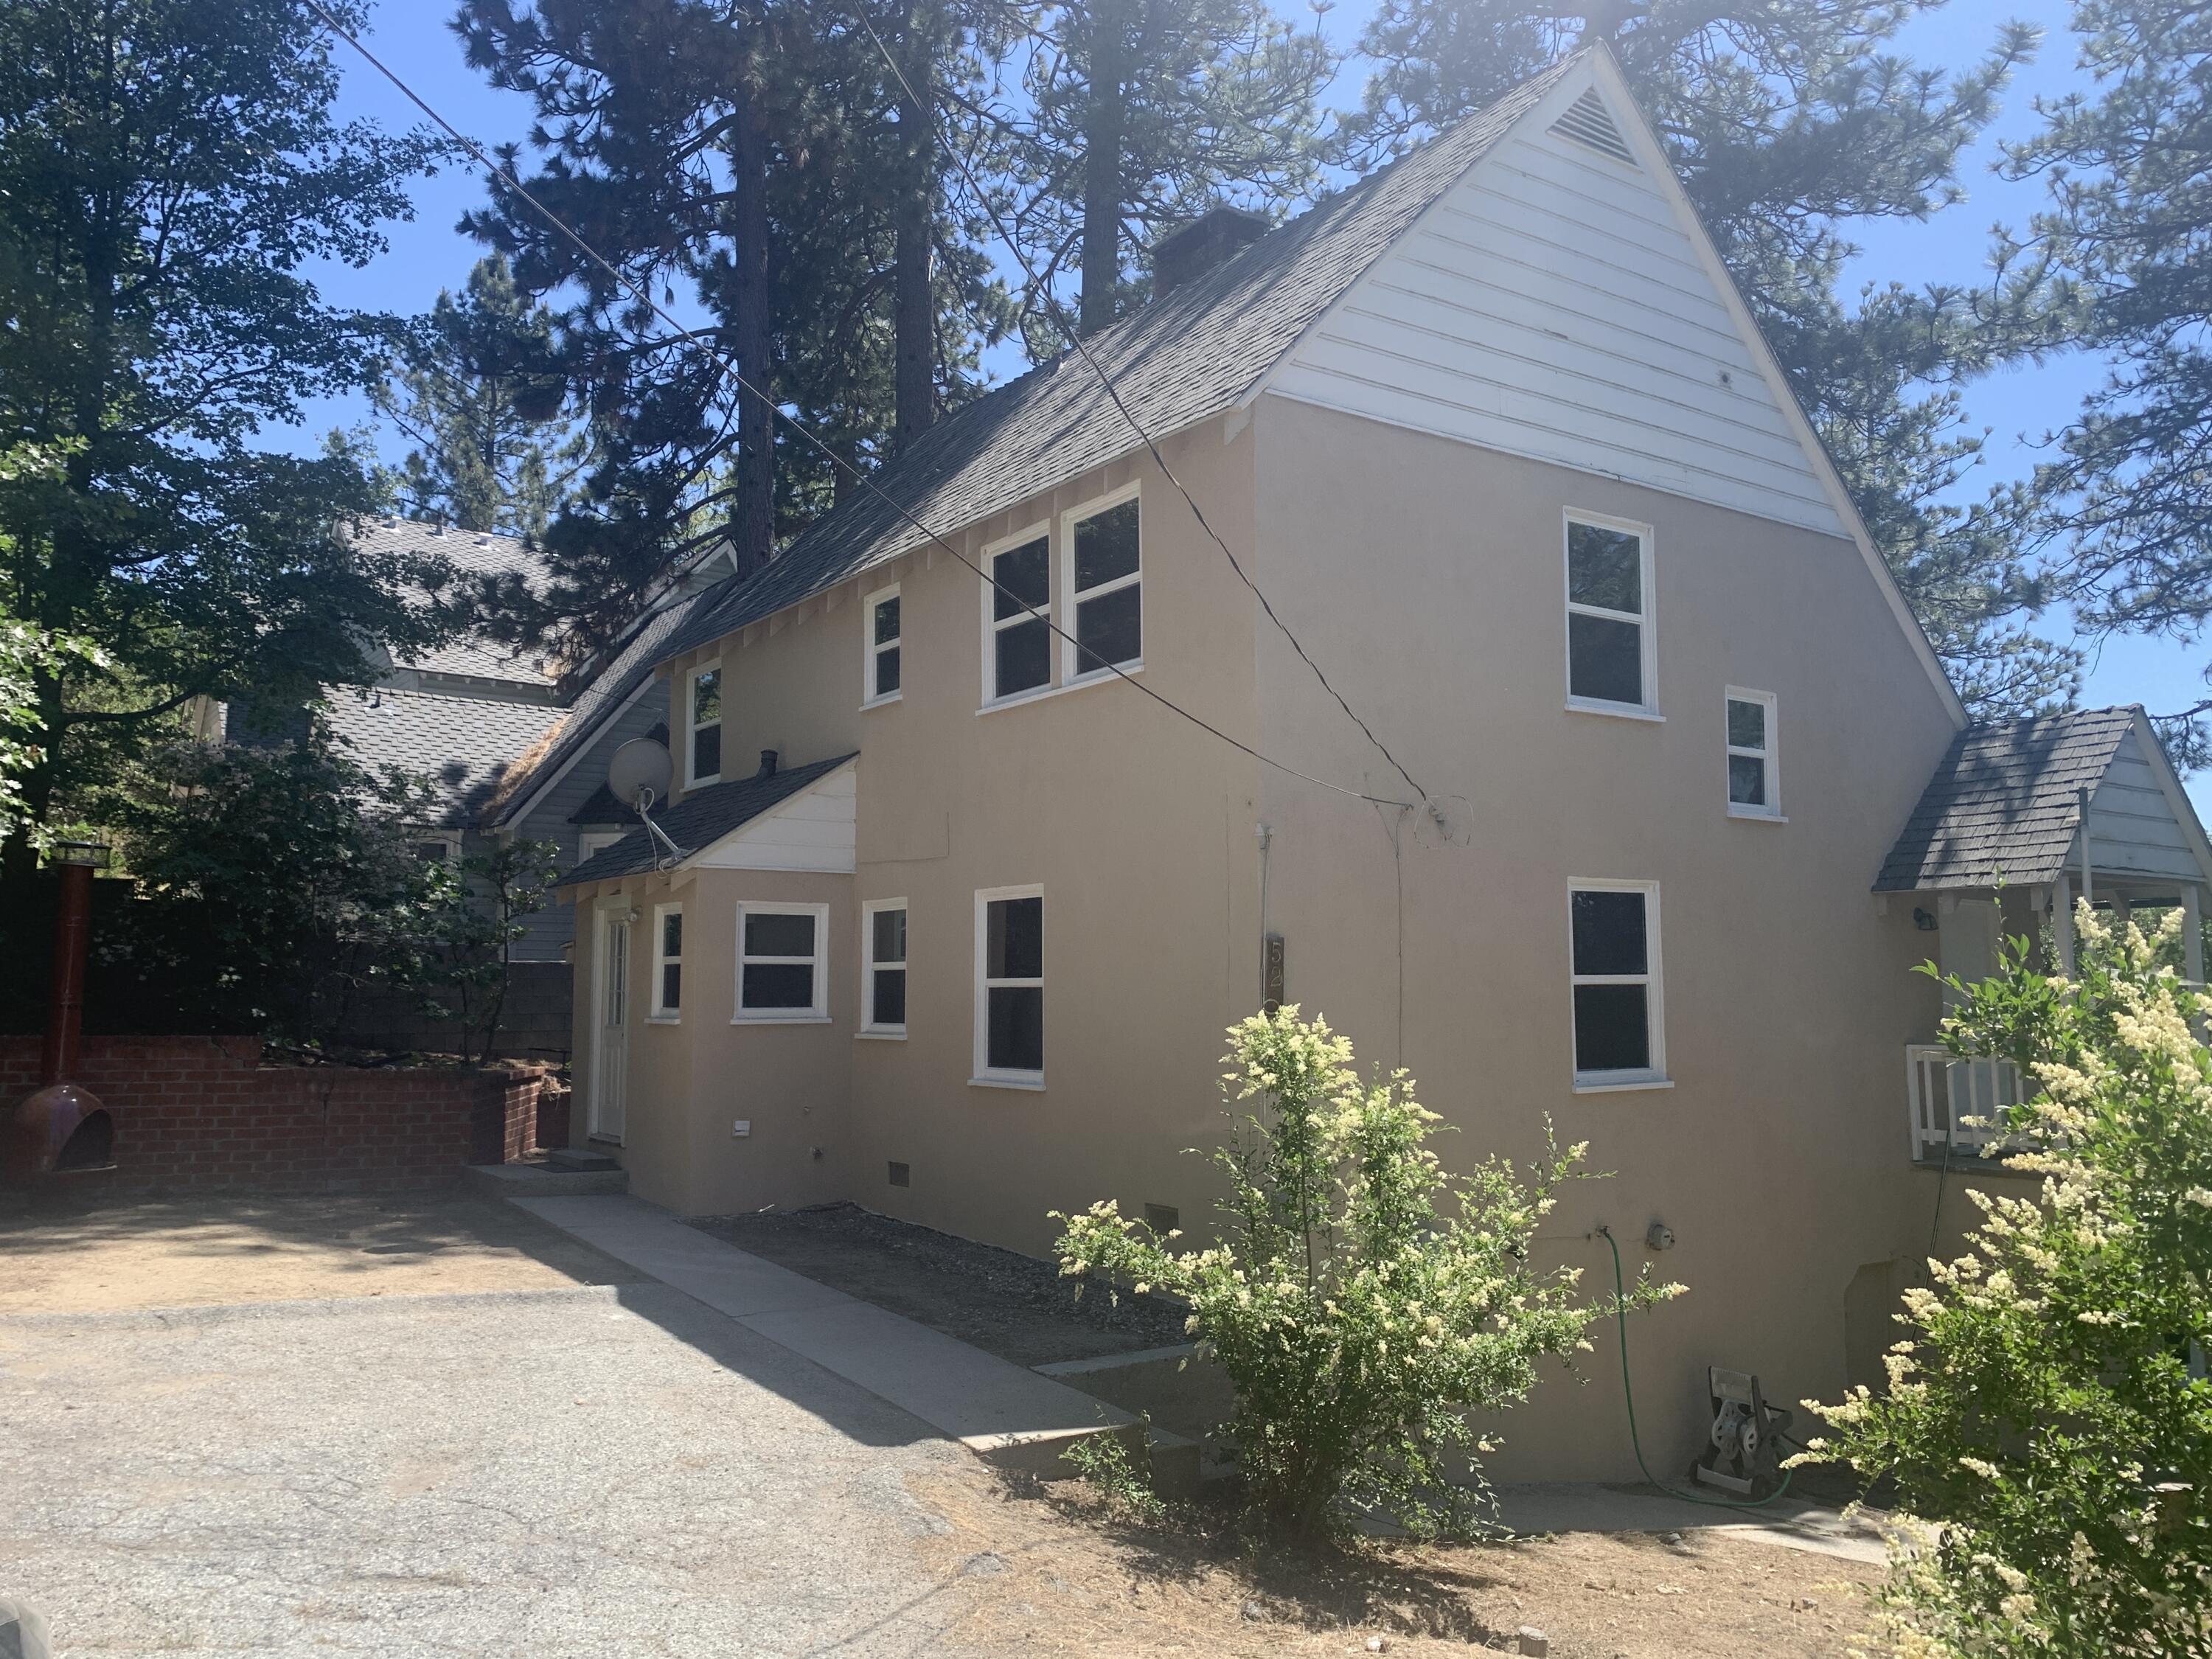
(1587, 121)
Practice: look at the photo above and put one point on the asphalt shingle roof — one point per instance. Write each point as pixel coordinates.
(700, 819)
(607, 692)
(466, 746)
(1187, 356)
(471, 553)
(2005, 800)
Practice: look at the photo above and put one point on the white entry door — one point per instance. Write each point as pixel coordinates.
(610, 1041)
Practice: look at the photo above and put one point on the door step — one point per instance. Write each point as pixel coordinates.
(573, 1160)
(542, 1180)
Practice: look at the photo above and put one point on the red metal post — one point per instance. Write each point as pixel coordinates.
(65, 1004)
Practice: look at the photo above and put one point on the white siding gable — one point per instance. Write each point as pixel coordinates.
(1556, 304)
(2132, 824)
(812, 830)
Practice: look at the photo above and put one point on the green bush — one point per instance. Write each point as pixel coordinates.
(2048, 1422)
(1363, 1303)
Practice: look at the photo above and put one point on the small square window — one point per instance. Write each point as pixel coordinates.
(883, 968)
(1754, 781)
(1609, 662)
(1010, 985)
(782, 962)
(1614, 979)
(881, 678)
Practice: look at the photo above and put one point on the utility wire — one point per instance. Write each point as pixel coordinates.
(1060, 320)
(644, 297)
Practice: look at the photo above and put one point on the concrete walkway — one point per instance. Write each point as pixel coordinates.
(1000, 1411)
(1577, 1507)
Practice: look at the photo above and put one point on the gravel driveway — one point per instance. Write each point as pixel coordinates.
(597, 1471)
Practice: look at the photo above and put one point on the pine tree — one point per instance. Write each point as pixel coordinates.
(1134, 115)
(2130, 222)
(479, 394)
(1788, 123)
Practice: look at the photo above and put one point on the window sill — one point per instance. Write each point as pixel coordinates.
(781, 1019)
(1039, 693)
(1619, 711)
(879, 1036)
(1750, 814)
(700, 783)
(879, 702)
(1623, 1085)
(603, 1140)
(664, 1020)
(1033, 1085)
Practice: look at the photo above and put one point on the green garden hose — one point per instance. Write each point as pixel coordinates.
(1621, 1313)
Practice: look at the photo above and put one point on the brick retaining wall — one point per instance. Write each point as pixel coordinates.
(205, 1113)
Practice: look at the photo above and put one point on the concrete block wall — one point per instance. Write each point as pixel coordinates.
(204, 1114)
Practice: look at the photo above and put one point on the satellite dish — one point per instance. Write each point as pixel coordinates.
(639, 773)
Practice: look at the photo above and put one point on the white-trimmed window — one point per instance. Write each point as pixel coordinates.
(433, 848)
(1010, 987)
(1103, 575)
(1609, 656)
(591, 841)
(883, 968)
(783, 963)
(1754, 776)
(1613, 938)
(702, 705)
(879, 619)
(1017, 600)
(667, 961)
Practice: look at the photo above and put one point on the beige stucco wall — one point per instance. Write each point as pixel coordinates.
(1428, 577)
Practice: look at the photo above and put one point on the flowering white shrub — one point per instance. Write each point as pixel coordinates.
(1363, 1303)
(2048, 1422)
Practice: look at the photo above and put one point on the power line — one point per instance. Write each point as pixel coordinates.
(644, 297)
(1060, 320)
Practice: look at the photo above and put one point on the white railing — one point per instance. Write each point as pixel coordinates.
(1942, 1091)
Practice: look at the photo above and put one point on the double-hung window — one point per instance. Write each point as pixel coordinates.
(667, 961)
(1609, 656)
(1010, 987)
(1754, 779)
(1105, 589)
(1017, 601)
(880, 672)
(703, 715)
(1612, 930)
(783, 963)
(883, 968)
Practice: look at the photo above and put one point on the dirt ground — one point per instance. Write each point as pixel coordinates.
(1051, 1570)
(95, 1257)
(1014, 1306)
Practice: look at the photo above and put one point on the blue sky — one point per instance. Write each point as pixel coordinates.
(2020, 407)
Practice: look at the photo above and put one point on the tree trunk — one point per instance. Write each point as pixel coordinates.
(753, 528)
(913, 317)
(1103, 127)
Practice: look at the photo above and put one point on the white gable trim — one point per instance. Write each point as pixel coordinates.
(1598, 69)
(2176, 798)
(512, 820)
(812, 830)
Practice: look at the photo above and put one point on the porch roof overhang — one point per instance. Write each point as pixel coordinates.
(2006, 807)
(702, 822)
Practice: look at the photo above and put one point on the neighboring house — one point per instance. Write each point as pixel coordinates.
(1498, 439)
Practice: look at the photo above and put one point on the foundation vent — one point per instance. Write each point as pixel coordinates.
(1162, 1218)
(902, 1175)
(1589, 123)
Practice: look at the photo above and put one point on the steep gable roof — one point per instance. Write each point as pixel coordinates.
(2005, 801)
(1193, 355)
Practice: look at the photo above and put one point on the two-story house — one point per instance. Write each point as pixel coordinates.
(1496, 437)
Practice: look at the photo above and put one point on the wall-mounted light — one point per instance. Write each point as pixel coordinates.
(1924, 921)
(95, 855)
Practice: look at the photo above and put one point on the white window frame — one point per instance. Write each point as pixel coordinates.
(1070, 674)
(817, 1015)
(449, 845)
(1655, 1010)
(1646, 622)
(693, 726)
(871, 650)
(868, 1027)
(986, 1075)
(662, 1014)
(591, 842)
(1769, 757)
(1041, 532)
